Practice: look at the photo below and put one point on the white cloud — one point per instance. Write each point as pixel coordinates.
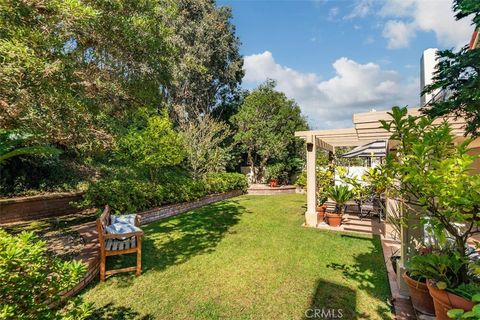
(360, 10)
(411, 16)
(333, 12)
(398, 34)
(330, 103)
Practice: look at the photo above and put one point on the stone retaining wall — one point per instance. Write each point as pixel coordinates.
(37, 207)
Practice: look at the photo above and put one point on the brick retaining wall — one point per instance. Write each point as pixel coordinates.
(37, 207)
(174, 209)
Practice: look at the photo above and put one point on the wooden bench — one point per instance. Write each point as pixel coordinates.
(117, 244)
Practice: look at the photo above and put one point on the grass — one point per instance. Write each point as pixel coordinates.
(247, 258)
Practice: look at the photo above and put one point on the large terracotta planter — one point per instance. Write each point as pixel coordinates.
(421, 299)
(444, 301)
(334, 219)
(321, 213)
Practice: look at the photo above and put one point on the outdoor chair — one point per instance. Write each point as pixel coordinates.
(369, 207)
(117, 236)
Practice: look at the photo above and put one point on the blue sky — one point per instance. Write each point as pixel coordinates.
(338, 57)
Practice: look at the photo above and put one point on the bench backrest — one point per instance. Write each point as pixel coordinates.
(102, 222)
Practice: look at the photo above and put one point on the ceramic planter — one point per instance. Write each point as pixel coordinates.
(321, 213)
(273, 183)
(421, 299)
(444, 300)
(334, 219)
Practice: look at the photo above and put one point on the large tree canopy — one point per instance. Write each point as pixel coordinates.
(266, 125)
(67, 66)
(459, 74)
(208, 68)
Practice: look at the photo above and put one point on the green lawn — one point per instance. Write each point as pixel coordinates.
(247, 258)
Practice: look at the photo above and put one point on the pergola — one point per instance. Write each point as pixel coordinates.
(366, 129)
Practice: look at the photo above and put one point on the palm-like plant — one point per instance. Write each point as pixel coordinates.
(341, 194)
(12, 144)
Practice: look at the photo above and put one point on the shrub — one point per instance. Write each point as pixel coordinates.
(132, 194)
(31, 280)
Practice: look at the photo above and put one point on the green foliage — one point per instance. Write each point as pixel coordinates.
(444, 268)
(459, 74)
(462, 314)
(13, 143)
(266, 123)
(341, 194)
(431, 172)
(276, 171)
(71, 68)
(207, 70)
(204, 144)
(132, 194)
(302, 179)
(153, 146)
(324, 182)
(31, 280)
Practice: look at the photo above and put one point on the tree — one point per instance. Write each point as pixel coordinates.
(208, 69)
(266, 124)
(151, 145)
(459, 74)
(71, 70)
(433, 177)
(203, 142)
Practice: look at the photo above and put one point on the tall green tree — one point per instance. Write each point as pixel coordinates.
(266, 124)
(208, 68)
(459, 74)
(70, 69)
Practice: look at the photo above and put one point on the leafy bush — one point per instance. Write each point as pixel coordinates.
(132, 194)
(31, 280)
(276, 171)
(341, 194)
(153, 146)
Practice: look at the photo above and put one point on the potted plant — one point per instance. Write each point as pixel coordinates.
(462, 314)
(341, 194)
(321, 207)
(324, 182)
(440, 270)
(274, 173)
(416, 281)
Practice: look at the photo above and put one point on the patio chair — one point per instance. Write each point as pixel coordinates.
(369, 207)
(117, 239)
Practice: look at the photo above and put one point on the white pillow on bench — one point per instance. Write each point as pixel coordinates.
(121, 228)
(128, 218)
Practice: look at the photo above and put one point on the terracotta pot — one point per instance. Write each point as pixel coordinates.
(321, 213)
(334, 219)
(421, 299)
(273, 183)
(444, 300)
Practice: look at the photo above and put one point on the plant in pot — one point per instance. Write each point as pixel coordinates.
(431, 174)
(415, 278)
(462, 314)
(438, 273)
(274, 174)
(341, 194)
(324, 182)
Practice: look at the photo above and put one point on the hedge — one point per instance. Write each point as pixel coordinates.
(131, 195)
